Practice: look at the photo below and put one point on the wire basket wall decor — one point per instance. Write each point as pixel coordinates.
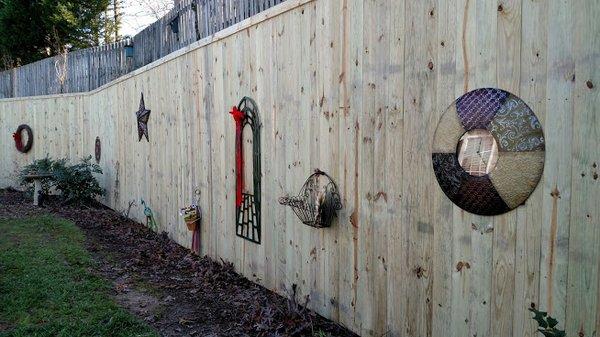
(318, 201)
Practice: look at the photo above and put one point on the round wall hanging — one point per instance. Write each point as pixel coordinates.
(18, 137)
(488, 152)
(98, 149)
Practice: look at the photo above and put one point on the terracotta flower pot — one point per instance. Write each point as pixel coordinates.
(191, 223)
(191, 216)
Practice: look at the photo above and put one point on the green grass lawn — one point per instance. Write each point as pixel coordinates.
(47, 289)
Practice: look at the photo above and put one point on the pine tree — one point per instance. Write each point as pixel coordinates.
(31, 30)
(112, 21)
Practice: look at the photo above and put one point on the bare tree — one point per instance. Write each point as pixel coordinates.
(156, 8)
(112, 21)
(137, 14)
(116, 6)
(7, 62)
(61, 65)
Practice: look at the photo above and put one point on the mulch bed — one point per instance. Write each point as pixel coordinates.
(176, 292)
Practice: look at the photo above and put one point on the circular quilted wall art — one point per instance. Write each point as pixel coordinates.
(488, 152)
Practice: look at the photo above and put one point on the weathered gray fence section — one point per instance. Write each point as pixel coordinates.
(6, 83)
(190, 21)
(78, 71)
(105, 64)
(88, 69)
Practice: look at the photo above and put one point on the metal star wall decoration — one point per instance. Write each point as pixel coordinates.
(143, 116)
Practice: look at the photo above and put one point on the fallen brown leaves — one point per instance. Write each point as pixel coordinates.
(197, 296)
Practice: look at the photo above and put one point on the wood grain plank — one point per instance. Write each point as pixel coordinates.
(508, 15)
(557, 183)
(584, 232)
(442, 212)
(529, 221)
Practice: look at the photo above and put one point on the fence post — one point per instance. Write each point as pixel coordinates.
(14, 82)
(206, 17)
(195, 10)
(89, 70)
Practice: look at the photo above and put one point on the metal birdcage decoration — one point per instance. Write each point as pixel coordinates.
(318, 201)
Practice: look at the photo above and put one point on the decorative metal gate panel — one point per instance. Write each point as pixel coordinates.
(247, 204)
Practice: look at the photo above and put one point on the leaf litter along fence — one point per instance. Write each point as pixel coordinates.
(88, 69)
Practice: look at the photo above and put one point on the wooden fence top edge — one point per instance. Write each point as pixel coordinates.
(268, 14)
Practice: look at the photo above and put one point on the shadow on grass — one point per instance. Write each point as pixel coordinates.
(47, 287)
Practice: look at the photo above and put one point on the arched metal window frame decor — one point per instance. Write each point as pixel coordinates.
(17, 136)
(98, 149)
(313, 209)
(521, 152)
(248, 206)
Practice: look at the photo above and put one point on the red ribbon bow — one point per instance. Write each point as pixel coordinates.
(239, 117)
(18, 140)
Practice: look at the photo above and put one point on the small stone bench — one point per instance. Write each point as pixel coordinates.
(37, 183)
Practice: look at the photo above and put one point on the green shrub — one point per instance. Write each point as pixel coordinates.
(76, 183)
(40, 166)
(547, 324)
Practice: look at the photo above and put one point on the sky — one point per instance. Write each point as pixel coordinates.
(138, 14)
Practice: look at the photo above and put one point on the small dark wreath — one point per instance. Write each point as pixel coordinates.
(17, 136)
(318, 201)
(98, 150)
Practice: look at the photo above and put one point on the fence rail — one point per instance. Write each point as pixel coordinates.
(87, 69)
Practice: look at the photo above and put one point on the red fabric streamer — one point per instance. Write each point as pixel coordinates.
(196, 240)
(239, 117)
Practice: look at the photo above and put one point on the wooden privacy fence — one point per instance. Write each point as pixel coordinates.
(88, 69)
(356, 88)
(78, 71)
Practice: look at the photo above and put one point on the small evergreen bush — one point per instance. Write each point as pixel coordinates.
(40, 166)
(76, 183)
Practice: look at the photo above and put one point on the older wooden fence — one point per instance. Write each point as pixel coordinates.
(88, 69)
(356, 89)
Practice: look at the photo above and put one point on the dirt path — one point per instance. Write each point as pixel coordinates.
(176, 292)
